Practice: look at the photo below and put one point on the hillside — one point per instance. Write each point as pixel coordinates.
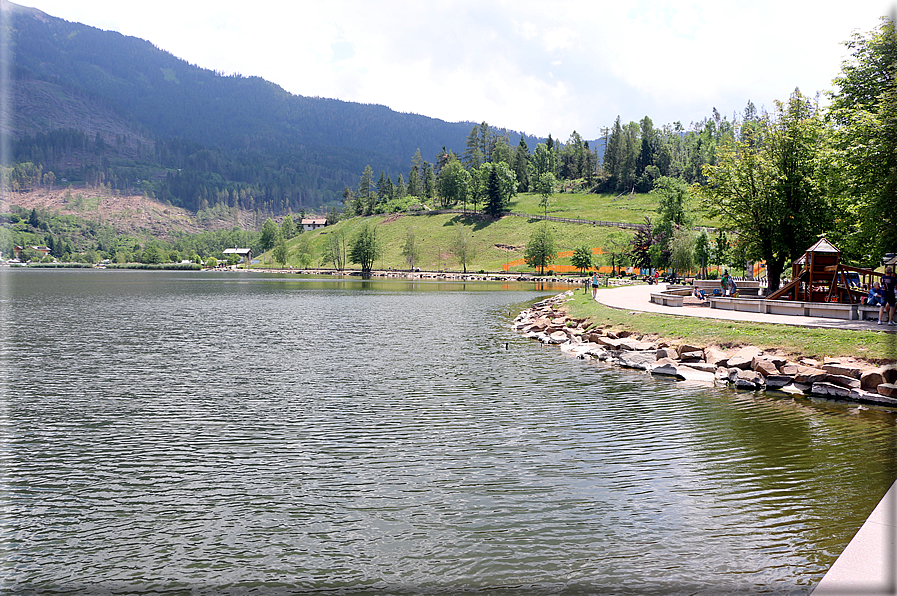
(99, 107)
(128, 215)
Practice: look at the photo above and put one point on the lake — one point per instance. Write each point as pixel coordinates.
(205, 433)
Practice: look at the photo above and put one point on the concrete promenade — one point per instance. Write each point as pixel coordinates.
(638, 298)
(869, 563)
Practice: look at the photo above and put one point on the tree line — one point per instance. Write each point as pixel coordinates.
(777, 179)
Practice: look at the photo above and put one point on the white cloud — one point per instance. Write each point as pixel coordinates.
(532, 66)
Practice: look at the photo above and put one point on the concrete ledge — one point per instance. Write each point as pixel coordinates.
(869, 563)
(665, 299)
(863, 311)
(824, 310)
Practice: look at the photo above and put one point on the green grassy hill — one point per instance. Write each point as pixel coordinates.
(498, 244)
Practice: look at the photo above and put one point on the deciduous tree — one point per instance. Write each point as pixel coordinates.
(365, 249)
(540, 250)
(461, 246)
(582, 258)
(766, 186)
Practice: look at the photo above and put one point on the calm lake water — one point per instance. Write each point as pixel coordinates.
(209, 433)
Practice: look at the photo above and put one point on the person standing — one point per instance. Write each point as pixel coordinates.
(724, 283)
(888, 288)
(595, 285)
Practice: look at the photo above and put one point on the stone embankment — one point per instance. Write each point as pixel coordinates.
(749, 367)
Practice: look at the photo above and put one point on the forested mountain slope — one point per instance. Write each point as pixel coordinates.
(196, 136)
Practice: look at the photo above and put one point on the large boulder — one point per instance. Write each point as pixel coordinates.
(809, 375)
(628, 343)
(667, 369)
(794, 389)
(684, 373)
(829, 390)
(789, 368)
(843, 381)
(778, 381)
(744, 357)
(887, 389)
(844, 370)
(557, 337)
(694, 375)
(870, 379)
(716, 356)
(667, 353)
(702, 366)
(637, 360)
(747, 379)
(685, 348)
(765, 366)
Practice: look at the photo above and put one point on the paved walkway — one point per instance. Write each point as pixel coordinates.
(638, 297)
(869, 563)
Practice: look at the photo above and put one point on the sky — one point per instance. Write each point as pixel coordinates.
(547, 67)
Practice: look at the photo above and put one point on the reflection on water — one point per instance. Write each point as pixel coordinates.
(207, 433)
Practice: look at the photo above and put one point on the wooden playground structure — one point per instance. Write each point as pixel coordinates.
(819, 276)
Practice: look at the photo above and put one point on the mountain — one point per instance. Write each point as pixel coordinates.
(96, 107)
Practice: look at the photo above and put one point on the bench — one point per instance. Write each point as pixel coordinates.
(667, 299)
(827, 310)
(748, 287)
(864, 311)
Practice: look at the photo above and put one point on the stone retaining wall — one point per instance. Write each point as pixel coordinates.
(748, 368)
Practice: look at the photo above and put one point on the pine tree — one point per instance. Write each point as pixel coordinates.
(366, 190)
(494, 199)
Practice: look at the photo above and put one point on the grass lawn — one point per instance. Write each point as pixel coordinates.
(794, 341)
(496, 243)
(604, 207)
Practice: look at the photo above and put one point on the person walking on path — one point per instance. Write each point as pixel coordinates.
(888, 287)
(594, 285)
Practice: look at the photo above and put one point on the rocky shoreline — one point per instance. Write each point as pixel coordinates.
(749, 368)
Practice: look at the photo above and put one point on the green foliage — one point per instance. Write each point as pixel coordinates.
(288, 227)
(545, 187)
(673, 204)
(500, 186)
(453, 184)
(410, 247)
(365, 249)
(767, 186)
(335, 249)
(582, 258)
(682, 250)
(280, 252)
(304, 251)
(703, 252)
(864, 112)
(462, 246)
(269, 235)
(541, 248)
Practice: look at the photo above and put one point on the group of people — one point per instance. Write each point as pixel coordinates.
(727, 285)
(884, 296)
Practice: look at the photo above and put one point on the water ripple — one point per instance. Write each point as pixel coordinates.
(209, 434)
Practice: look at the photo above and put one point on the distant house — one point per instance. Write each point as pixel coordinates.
(311, 223)
(245, 254)
(19, 250)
